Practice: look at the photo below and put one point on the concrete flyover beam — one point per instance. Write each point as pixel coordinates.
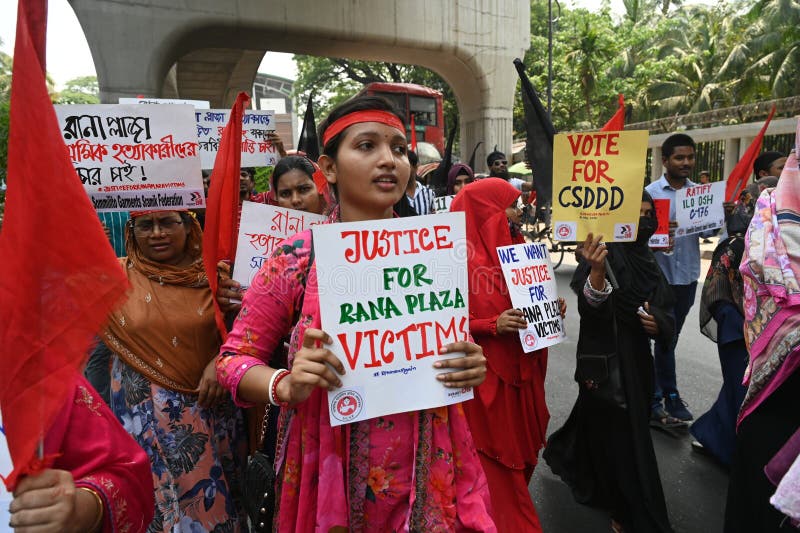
(470, 43)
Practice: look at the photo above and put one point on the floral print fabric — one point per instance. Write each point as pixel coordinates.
(195, 453)
(415, 471)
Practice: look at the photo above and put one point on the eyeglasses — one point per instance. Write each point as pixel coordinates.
(146, 227)
(500, 162)
(464, 181)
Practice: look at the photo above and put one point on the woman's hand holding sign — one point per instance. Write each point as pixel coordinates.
(595, 254)
(313, 367)
(470, 370)
(510, 321)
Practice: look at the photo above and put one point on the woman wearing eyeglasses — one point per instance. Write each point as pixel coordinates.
(164, 388)
(459, 175)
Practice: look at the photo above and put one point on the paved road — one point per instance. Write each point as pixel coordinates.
(695, 486)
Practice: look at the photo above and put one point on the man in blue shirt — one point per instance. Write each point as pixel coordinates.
(681, 267)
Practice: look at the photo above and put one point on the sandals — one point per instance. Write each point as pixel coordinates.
(661, 419)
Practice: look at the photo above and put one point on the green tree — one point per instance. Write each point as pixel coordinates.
(81, 90)
(5, 94)
(774, 47)
(691, 59)
(334, 80)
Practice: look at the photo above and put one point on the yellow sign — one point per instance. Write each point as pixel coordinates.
(598, 178)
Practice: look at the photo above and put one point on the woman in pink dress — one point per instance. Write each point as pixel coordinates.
(415, 471)
(100, 479)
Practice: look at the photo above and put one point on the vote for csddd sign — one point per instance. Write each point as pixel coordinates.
(598, 179)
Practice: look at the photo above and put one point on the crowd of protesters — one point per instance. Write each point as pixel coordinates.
(193, 404)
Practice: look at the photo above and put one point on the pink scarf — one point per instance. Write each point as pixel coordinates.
(771, 271)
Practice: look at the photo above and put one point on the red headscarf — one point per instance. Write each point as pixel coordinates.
(484, 203)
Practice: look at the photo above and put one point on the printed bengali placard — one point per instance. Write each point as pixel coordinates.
(198, 104)
(131, 157)
(257, 149)
(392, 293)
(532, 287)
(261, 228)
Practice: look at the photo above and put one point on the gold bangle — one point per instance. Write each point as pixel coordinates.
(98, 522)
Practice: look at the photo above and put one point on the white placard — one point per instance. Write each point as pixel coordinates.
(257, 149)
(392, 293)
(699, 208)
(261, 228)
(132, 157)
(441, 204)
(532, 287)
(198, 104)
(5, 470)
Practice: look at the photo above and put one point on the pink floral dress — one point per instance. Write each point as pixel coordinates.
(416, 471)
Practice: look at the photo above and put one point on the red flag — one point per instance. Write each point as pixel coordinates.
(617, 122)
(741, 173)
(222, 209)
(413, 134)
(59, 277)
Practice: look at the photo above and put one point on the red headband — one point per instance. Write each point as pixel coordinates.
(357, 117)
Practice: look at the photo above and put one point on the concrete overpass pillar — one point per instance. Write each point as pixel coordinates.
(470, 43)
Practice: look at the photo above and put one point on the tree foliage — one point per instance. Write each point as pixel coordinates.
(81, 90)
(334, 80)
(666, 56)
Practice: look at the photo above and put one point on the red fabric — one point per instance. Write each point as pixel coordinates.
(357, 117)
(616, 122)
(222, 209)
(512, 508)
(413, 134)
(90, 443)
(741, 173)
(59, 277)
(322, 184)
(513, 394)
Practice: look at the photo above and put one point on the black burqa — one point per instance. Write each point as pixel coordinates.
(604, 453)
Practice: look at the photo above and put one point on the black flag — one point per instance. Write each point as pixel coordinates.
(472, 157)
(539, 144)
(309, 143)
(438, 180)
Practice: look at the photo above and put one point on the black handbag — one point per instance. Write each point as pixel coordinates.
(601, 377)
(258, 491)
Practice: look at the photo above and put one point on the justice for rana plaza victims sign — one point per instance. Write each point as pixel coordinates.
(257, 148)
(262, 227)
(598, 179)
(699, 208)
(132, 157)
(390, 298)
(532, 287)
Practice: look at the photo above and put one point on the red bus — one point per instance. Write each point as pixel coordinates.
(422, 102)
